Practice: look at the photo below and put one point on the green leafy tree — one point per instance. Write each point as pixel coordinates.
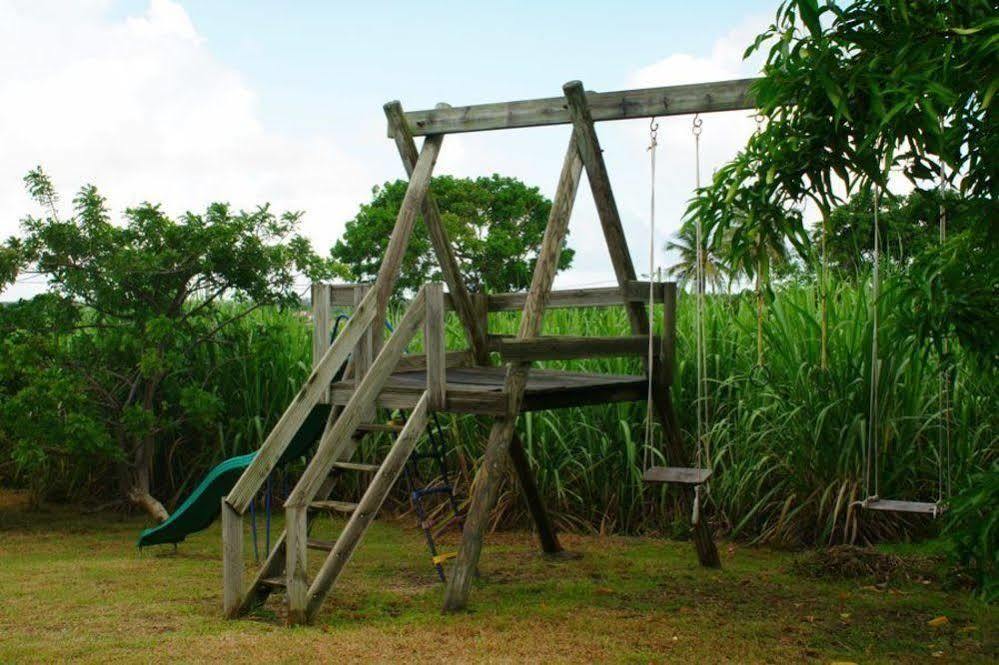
(496, 225)
(716, 271)
(98, 364)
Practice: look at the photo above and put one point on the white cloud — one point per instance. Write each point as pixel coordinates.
(140, 107)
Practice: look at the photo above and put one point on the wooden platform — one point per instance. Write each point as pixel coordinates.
(480, 390)
(895, 506)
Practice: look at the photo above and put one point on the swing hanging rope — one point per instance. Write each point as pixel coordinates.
(653, 144)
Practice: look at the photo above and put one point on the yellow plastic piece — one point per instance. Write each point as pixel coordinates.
(444, 556)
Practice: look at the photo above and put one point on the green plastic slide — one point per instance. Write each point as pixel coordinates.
(201, 508)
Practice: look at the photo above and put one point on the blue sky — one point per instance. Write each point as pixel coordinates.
(186, 102)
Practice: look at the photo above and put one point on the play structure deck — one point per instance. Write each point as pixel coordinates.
(362, 373)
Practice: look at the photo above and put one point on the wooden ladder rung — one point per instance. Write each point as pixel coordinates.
(316, 544)
(273, 582)
(335, 506)
(379, 427)
(676, 474)
(355, 466)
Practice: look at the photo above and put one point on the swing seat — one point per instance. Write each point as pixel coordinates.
(676, 474)
(894, 506)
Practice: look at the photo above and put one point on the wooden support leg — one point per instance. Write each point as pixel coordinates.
(232, 560)
(296, 563)
(543, 522)
(610, 221)
(486, 486)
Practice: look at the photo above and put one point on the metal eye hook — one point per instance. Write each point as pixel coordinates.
(697, 125)
(653, 133)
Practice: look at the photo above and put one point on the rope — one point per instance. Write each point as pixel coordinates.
(943, 432)
(873, 427)
(653, 143)
(703, 452)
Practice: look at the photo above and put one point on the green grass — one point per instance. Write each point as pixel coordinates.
(76, 588)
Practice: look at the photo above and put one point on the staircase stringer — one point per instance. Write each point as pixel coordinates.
(362, 517)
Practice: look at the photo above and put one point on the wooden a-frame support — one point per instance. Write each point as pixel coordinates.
(583, 152)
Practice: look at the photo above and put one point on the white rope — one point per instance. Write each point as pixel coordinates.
(703, 452)
(874, 426)
(653, 143)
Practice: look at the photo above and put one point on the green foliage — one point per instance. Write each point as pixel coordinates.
(973, 528)
(105, 356)
(495, 225)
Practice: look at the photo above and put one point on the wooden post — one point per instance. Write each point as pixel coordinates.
(667, 345)
(490, 473)
(296, 562)
(433, 342)
(363, 352)
(529, 488)
(320, 326)
(232, 560)
(610, 221)
(480, 307)
(438, 235)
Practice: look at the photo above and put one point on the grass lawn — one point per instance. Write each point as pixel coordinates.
(75, 587)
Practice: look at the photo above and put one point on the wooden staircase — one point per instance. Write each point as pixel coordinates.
(285, 568)
(273, 575)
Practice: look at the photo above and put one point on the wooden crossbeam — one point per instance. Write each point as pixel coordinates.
(687, 99)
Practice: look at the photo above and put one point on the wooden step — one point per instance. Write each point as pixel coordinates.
(379, 427)
(355, 466)
(334, 506)
(316, 544)
(273, 582)
(676, 474)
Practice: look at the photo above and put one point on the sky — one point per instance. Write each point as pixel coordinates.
(184, 103)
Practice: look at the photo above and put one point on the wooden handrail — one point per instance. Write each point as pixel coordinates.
(308, 396)
(636, 291)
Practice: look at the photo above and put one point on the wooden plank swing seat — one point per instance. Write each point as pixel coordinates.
(360, 372)
(896, 506)
(676, 474)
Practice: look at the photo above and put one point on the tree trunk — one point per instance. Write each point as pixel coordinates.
(138, 493)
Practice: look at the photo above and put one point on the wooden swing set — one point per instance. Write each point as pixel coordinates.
(379, 376)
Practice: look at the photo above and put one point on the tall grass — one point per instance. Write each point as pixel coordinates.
(788, 452)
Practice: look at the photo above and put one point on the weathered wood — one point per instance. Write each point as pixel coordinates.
(617, 245)
(433, 342)
(620, 105)
(232, 560)
(547, 535)
(364, 350)
(896, 506)
(309, 394)
(414, 361)
(612, 296)
(459, 297)
(667, 347)
(320, 321)
(569, 347)
(369, 505)
(490, 473)
(296, 562)
(339, 435)
(412, 202)
(676, 474)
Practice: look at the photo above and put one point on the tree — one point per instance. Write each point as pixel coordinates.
(127, 304)
(909, 226)
(852, 92)
(496, 225)
(716, 272)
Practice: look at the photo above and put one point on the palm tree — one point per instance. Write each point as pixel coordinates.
(716, 273)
